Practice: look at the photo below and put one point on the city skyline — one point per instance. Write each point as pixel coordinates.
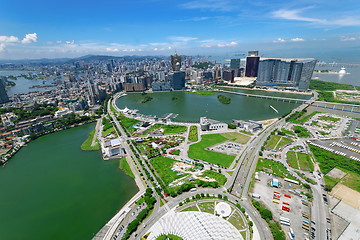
(71, 29)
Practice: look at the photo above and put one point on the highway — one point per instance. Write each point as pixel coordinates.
(240, 181)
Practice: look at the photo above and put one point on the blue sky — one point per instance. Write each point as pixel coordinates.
(50, 29)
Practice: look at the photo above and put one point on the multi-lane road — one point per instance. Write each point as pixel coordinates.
(240, 182)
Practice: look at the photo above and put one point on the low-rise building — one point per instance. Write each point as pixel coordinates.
(209, 124)
(250, 126)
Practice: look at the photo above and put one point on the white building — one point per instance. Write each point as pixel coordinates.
(209, 124)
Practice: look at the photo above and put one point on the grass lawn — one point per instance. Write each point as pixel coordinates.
(168, 129)
(329, 181)
(331, 119)
(230, 173)
(236, 137)
(305, 162)
(140, 201)
(86, 146)
(221, 179)
(176, 152)
(275, 168)
(283, 142)
(198, 151)
(110, 130)
(291, 158)
(237, 221)
(162, 166)
(128, 123)
(169, 237)
(243, 234)
(193, 134)
(272, 142)
(124, 165)
(191, 208)
(288, 132)
(351, 180)
(246, 132)
(301, 131)
(202, 92)
(207, 207)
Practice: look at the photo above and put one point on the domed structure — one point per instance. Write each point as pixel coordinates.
(342, 71)
(223, 209)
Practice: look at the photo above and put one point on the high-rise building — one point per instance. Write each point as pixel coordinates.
(235, 64)
(177, 80)
(3, 95)
(275, 72)
(252, 64)
(176, 62)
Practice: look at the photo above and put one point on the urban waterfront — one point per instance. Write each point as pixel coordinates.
(52, 190)
(191, 107)
(24, 85)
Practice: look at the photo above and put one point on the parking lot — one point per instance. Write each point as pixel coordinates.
(274, 199)
(229, 148)
(343, 146)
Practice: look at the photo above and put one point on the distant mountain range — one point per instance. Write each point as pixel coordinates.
(87, 58)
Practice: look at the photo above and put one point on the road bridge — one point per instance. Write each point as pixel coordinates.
(284, 99)
(338, 106)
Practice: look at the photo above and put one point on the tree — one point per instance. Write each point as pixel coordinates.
(180, 204)
(225, 198)
(231, 126)
(219, 196)
(266, 214)
(251, 223)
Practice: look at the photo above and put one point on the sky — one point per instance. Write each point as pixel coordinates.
(57, 29)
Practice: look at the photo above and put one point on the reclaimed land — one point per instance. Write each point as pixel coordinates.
(86, 146)
(198, 151)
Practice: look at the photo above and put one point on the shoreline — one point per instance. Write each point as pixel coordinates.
(268, 90)
(4, 162)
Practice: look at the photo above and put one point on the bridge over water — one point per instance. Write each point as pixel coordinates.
(296, 100)
(352, 108)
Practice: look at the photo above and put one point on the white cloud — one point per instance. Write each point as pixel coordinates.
(30, 38)
(231, 44)
(182, 39)
(347, 38)
(2, 47)
(297, 39)
(155, 49)
(279, 40)
(295, 15)
(112, 50)
(58, 42)
(8, 39)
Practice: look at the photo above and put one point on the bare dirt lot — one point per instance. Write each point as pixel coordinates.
(347, 195)
(336, 173)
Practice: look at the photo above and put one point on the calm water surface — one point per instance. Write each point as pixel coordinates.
(191, 107)
(53, 190)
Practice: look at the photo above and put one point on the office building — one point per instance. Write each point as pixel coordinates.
(235, 64)
(160, 86)
(3, 95)
(176, 62)
(134, 87)
(252, 64)
(293, 74)
(177, 80)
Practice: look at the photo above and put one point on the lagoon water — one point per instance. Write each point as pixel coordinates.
(52, 190)
(191, 107)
